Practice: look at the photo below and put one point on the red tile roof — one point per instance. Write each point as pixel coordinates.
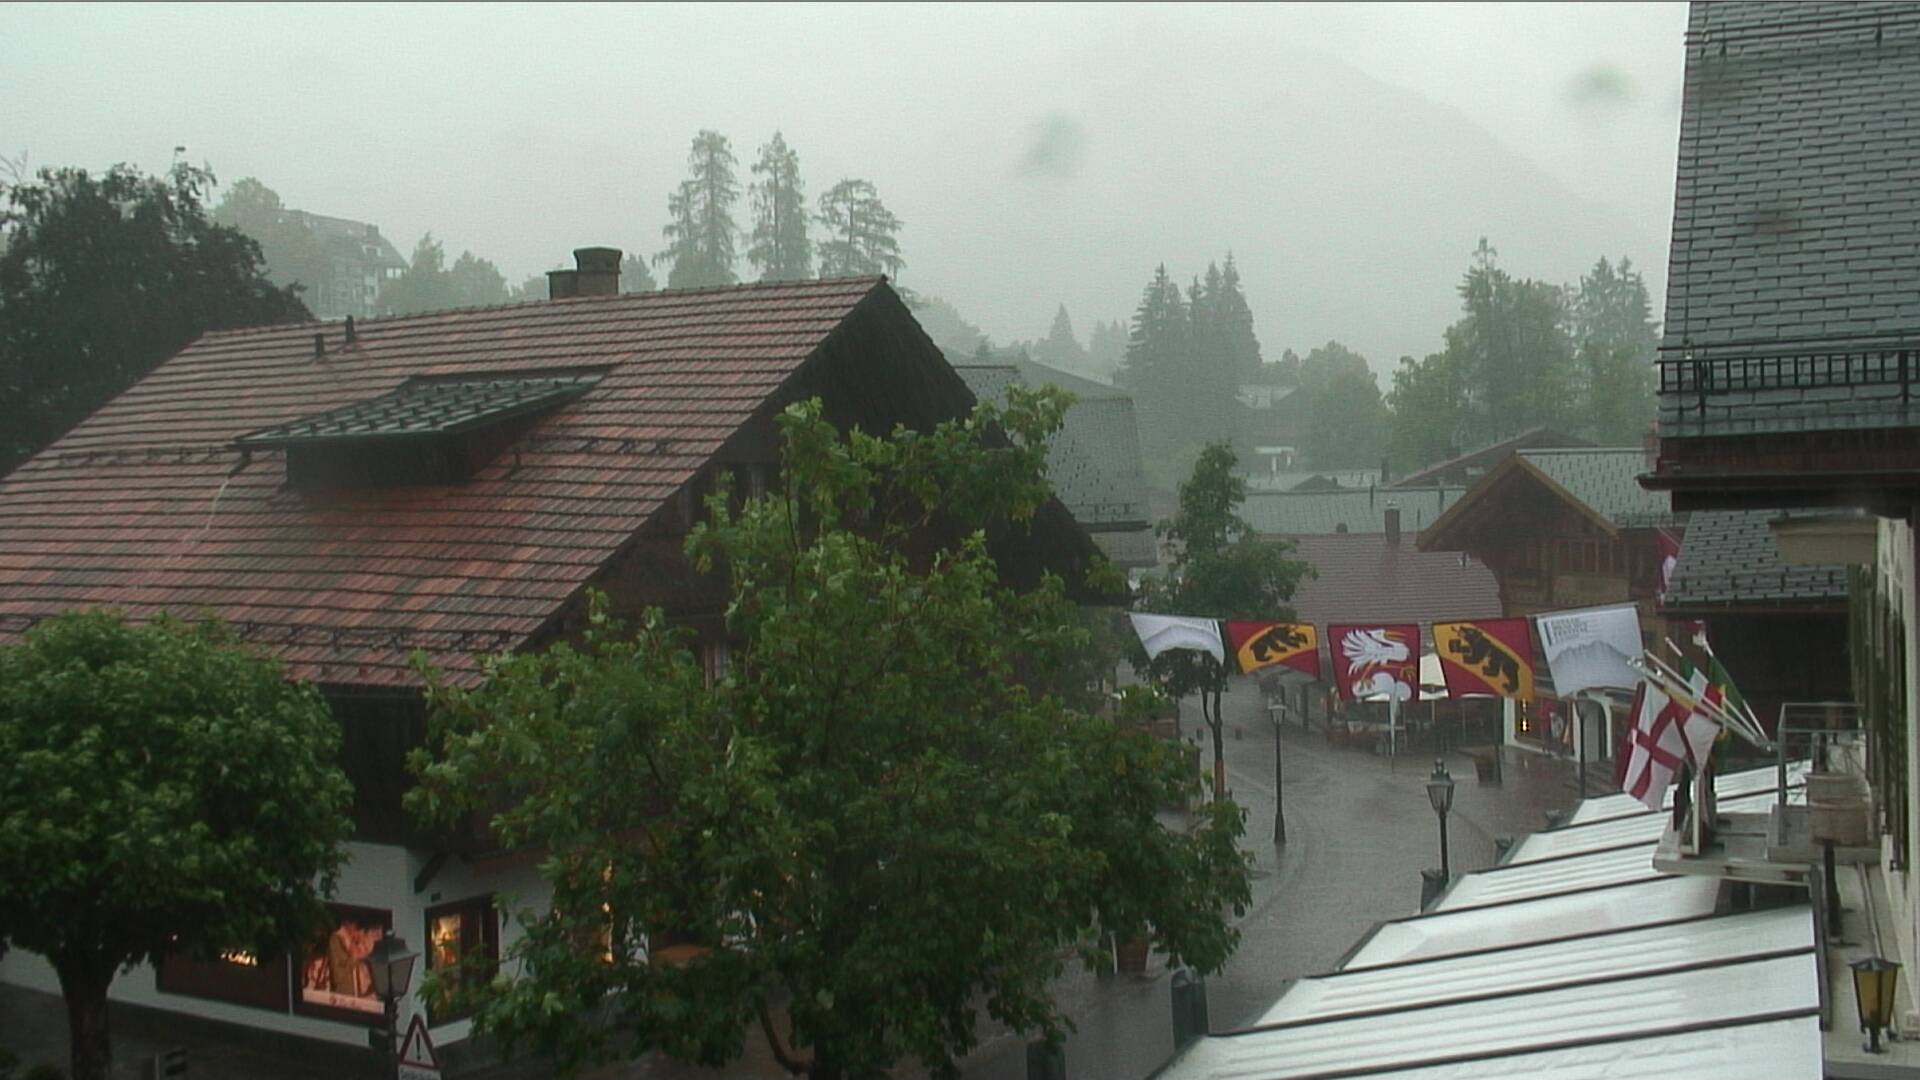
(140, 506)
(1364, 579)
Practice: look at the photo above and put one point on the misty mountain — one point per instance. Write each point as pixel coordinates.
(1352, 206)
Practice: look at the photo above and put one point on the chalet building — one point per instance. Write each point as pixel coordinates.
(1789, 376)
(452, 483)
(1564, 528)
(1466, 469)
(1094, 461)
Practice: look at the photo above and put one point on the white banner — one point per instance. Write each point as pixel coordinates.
(1590, 647)
(1162, 632)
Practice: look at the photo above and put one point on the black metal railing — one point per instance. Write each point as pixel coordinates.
(1701, 384)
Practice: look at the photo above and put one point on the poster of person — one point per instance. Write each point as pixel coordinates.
(334, 976)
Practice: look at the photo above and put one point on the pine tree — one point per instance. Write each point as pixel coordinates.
(1106, 348)
(860, 232)
(701, 234)
(634, 276)
(1235, 318)
(1612, 323)
(1061, 349)
(780, 249)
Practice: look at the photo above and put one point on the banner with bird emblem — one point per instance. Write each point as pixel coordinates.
(1258, 645)
(1376, 660)
(1486, 657)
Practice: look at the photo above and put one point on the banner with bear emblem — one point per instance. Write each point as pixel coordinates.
(1258, 645)
(1486, 657)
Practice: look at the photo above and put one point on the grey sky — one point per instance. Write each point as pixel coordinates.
(1349, 155)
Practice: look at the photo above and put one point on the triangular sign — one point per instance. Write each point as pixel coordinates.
(416, 1049)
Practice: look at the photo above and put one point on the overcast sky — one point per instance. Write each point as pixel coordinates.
(1348, 155)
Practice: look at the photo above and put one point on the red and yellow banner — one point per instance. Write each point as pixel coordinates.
(1258, 645)
(1486, 657)
(1372, 662)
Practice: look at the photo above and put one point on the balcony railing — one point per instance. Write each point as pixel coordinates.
(1758, 387)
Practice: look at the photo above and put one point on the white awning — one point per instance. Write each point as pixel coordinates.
(1615, 832)
(1725, 786)
(1501, 884)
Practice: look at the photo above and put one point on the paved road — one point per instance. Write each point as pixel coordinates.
(1359, 830)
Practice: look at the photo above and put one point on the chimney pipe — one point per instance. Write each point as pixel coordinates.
(563, 284)
(597, 271)
(319, 346)
(350, 335)
(1393, 525)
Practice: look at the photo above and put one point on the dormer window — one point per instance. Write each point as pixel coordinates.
(428, 431)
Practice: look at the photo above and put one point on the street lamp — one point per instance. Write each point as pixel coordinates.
(1874, 982)
(390, 963)
(1440, 794)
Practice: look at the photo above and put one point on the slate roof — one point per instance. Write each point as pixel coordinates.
(1729, 560)
(1796, 215)
(1606, 480)
(1470, 466)
(1094, 463)
(1362, 578)
(147, 504)
(1306, 513)
(427, 407)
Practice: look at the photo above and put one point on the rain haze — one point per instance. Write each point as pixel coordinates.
(1350, 157)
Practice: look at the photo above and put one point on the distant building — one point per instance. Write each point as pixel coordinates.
(1468, 468)
(359, 261)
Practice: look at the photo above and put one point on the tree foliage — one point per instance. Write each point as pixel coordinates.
(165, 791)
(701, 232)
(862, 234)
(429, 284)
(293, 255)
(1346, 420)
(877, 815)
(104, 276)
(957, 338)
(1616, 339)
(636, 276)
(780, 249)
(1060, 349)
(1217, 568)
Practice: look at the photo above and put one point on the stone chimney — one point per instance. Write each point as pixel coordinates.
(1393, 525)
(596, 273)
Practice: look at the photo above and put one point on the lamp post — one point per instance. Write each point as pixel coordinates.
(1440, 794)
(391, 965)
(1279, 805)
(1874, 981)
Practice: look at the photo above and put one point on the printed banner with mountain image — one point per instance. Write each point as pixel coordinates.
(1590, 647)
(1486, 657)
(1376, 660)
(1259, 645)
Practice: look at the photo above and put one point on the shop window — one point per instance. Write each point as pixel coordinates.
(235, 976)
(334, 981)
(463, 942)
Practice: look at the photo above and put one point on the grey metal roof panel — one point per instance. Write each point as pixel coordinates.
(427, 407)
(1730, 559)
(1094, 460)
(1313, 513)
(1607, 481)
(1795, 214)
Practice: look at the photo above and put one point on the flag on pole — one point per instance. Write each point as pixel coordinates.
(1486, 657)
(1371, 660)
(1668, 546)
(1160, 633)
(1258, 645)
(1655, 746)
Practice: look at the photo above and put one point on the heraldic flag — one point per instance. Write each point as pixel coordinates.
(1666, 733)
(1159, 633)
(1486, 657)
(1258, 645)
(1370, 660)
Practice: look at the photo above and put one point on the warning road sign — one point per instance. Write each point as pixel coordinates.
(417, 1059)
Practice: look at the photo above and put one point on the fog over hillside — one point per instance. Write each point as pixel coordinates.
(1349, 156)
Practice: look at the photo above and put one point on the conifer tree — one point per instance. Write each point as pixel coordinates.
(635, 276)
(1235, 319)
(861, 232)
(701, 234)
(780, 249)
(1060, 348)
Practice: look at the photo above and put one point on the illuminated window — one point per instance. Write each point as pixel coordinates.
(334, 982)
(463, 942)
(235, 976)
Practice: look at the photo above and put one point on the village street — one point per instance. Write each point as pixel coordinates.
(1359, 831)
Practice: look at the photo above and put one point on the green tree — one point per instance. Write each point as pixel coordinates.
(1346, 421)
(861, 232)
(1106, 348)
(293, 255)
(1430, 414)
(1216, 567)
(1157, 363)
(1616, 339)
(950, 330)
(877, 815)
(701, 232)
(166, 791)
(1060, 348)
(1239, 346)
(780, 249)
(429, 284)
(103, 277)
(635, 276)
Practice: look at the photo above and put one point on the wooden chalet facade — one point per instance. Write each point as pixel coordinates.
(1563, 528)
(450, 483)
